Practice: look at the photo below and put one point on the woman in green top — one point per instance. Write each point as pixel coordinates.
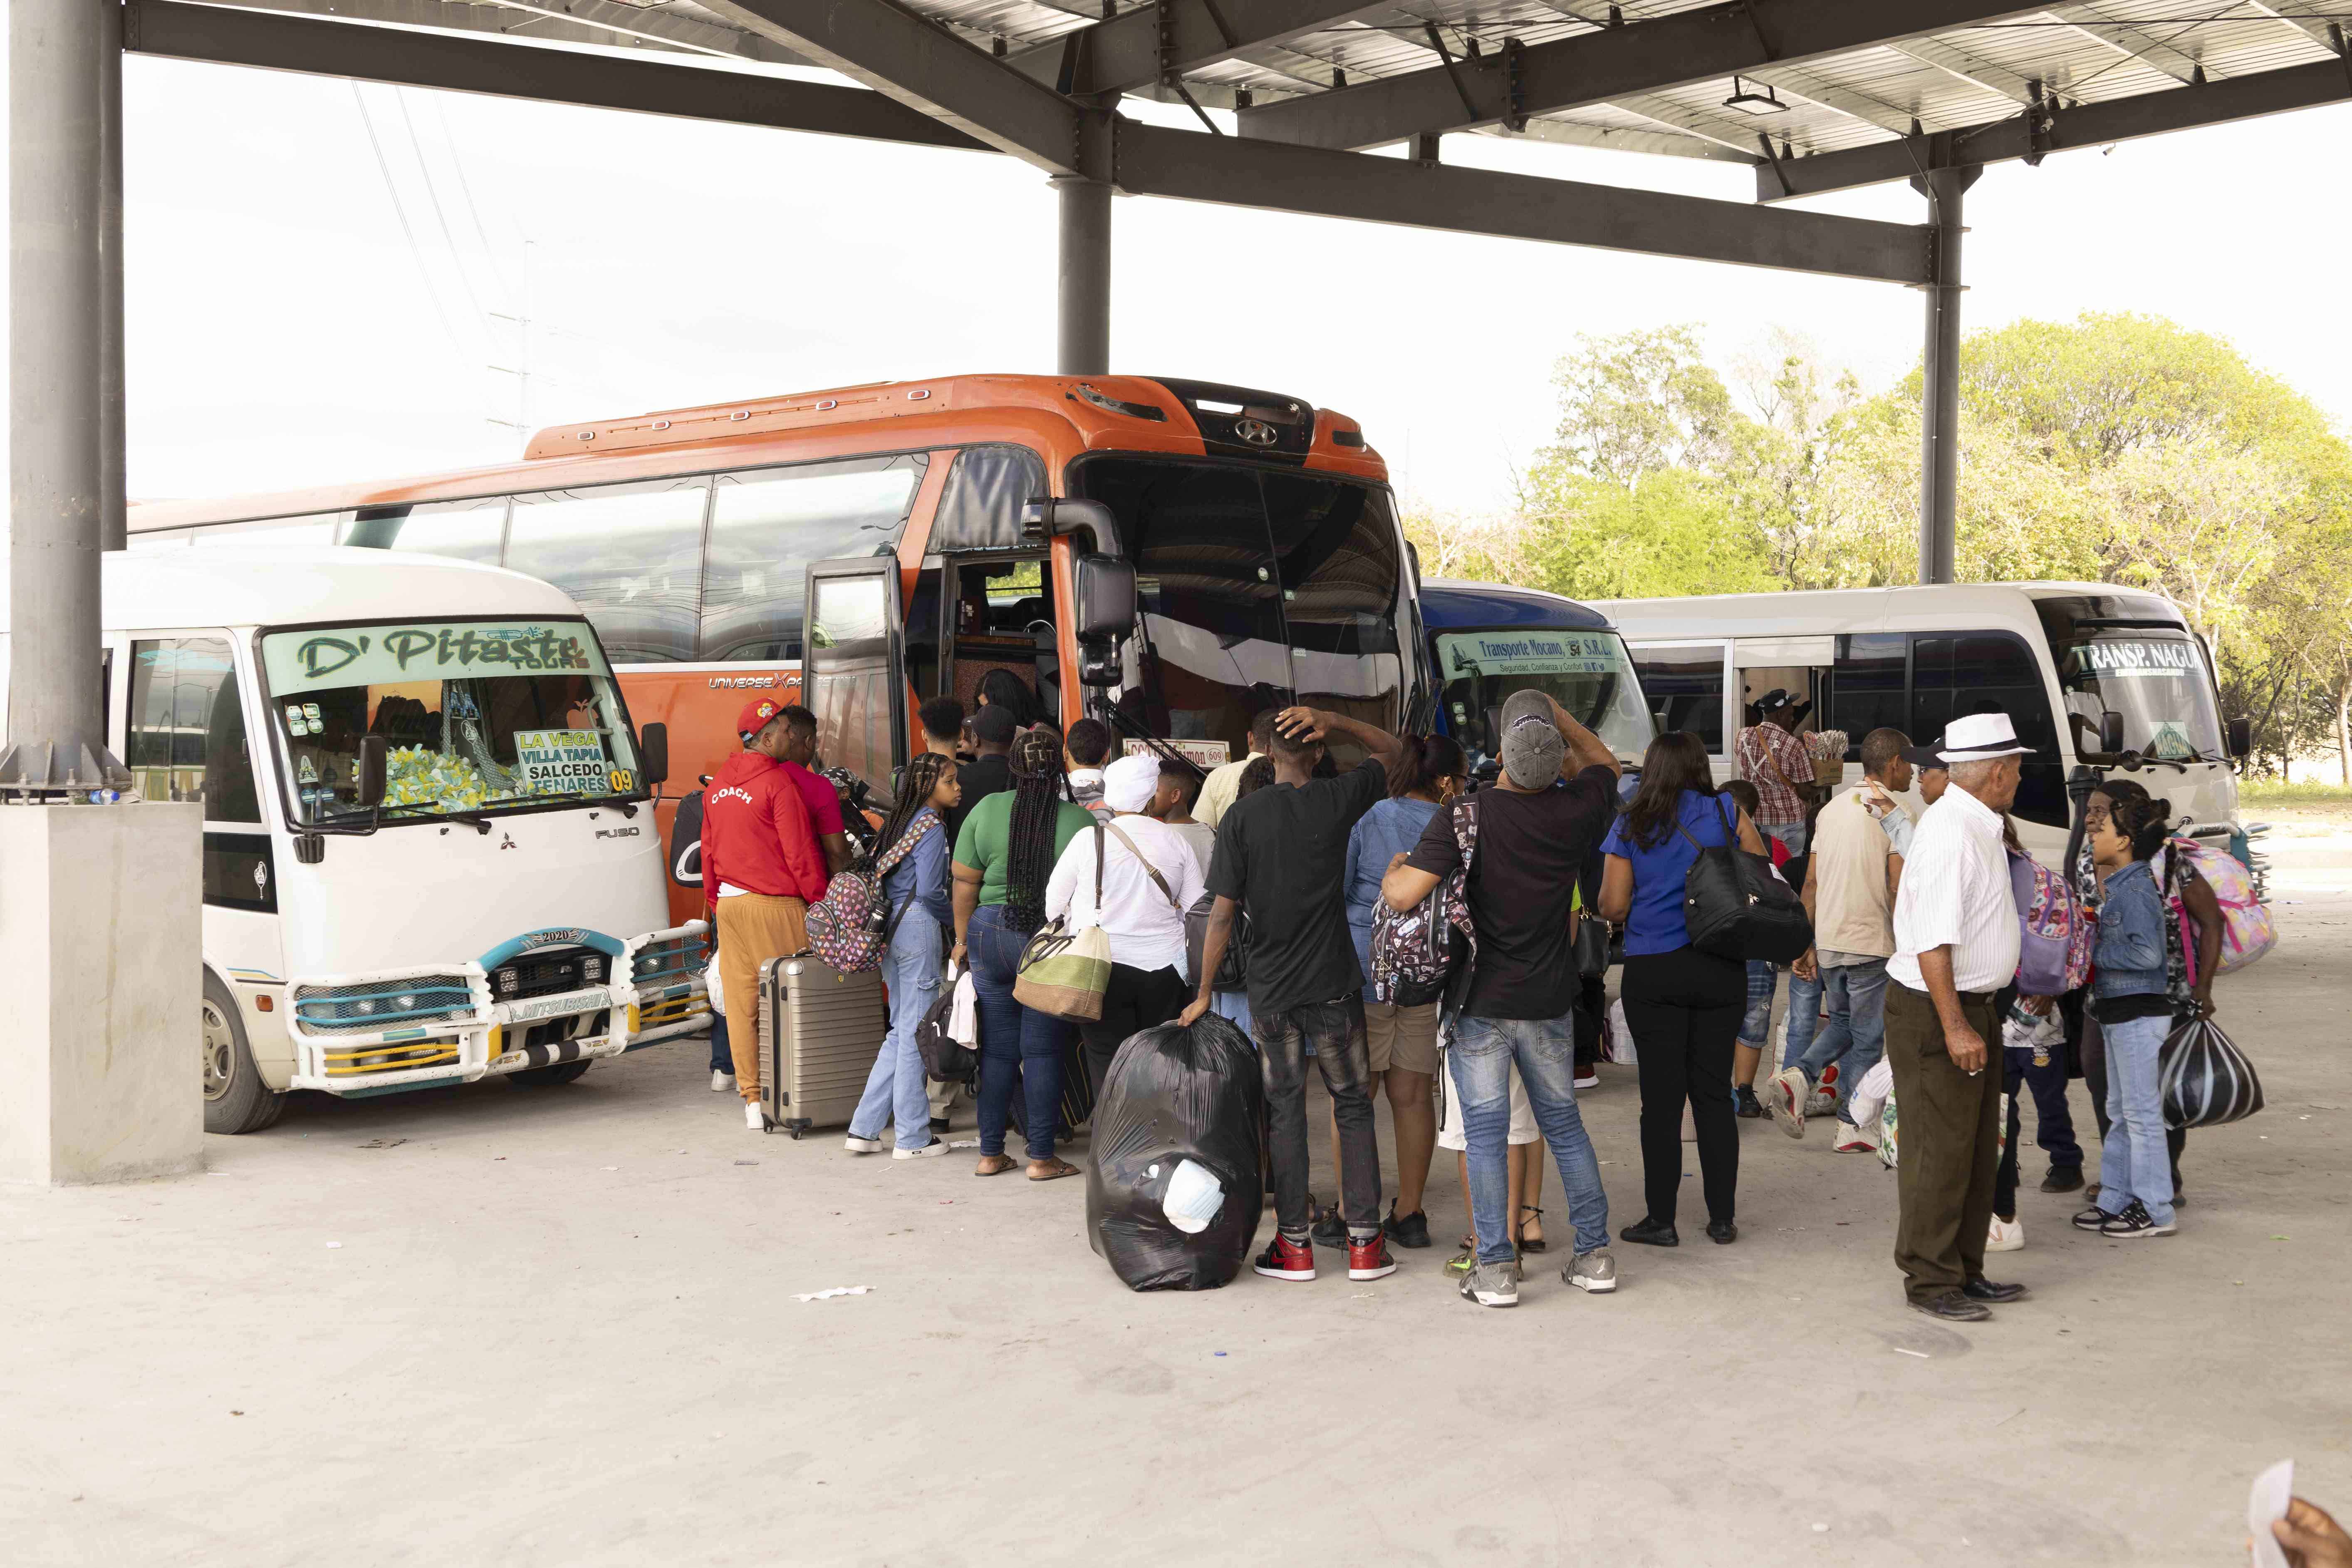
(1004, 855)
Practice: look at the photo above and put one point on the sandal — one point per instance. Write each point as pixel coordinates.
(1055, 1170)
(994, 1164)
(1526, 1242)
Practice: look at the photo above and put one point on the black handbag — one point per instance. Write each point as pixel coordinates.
(946, 1060)
(1233, 970)
(2206, 1080)
(1735, 907)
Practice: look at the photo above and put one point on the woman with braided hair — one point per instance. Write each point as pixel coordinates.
(1004, 853)
(915, 891)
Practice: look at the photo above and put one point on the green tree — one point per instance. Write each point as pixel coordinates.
(1640, 402)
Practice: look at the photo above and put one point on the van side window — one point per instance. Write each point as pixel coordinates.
(631, 556)
(186, 737)
(1863, 690)
(1684, 686)
(1984, 672)
(768, 524)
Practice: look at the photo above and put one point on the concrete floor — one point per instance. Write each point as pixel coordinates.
(527, 1327)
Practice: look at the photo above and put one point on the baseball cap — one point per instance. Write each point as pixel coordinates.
(1924, 757)
(756, 715)
(1531, 745)
(1129, 783)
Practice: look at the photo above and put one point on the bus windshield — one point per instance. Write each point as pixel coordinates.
(1586, 672)
(2150, 670)
(478, 715)
(1257, 587)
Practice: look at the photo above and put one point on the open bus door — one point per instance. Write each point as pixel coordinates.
(853, 674)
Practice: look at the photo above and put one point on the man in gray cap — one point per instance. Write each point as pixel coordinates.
(1530, 835)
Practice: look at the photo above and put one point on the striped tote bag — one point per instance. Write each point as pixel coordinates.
(2206, 1080)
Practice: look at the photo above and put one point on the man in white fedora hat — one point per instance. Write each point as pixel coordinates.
(1956, 943)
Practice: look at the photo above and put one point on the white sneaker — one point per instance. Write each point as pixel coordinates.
(722, 1082)
(1785, 1097)
(1855, 1139)
(931, 1150)
(2006, 1235)
(1589, 1080)
(753, 1117)
(857, 1145)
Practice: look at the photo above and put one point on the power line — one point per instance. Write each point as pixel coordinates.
(400, 96)
(432, 294)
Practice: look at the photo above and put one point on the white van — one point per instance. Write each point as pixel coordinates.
(2093, 675)
(429, 852)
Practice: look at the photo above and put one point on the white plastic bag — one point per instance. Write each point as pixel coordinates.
(963, 1014)
(711, 980)
(1193, 1199)
(1869, 1096)
(1621, 1037)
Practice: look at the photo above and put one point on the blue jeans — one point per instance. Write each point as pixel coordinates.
(1481, 1056)
(1017, 1045)
(1234, 1008)
(896, 1090)
(1756, 1024)
(2135, 1163)
(1794, 835)
(722, 1055)
(1856, 1036)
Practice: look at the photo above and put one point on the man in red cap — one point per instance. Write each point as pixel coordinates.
(762, 869)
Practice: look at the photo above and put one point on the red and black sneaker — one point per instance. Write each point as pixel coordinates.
(1288, 1260)
(1369, 1259)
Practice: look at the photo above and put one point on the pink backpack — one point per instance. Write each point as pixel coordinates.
(2247, 929)
(2055, 934)
(852, 924)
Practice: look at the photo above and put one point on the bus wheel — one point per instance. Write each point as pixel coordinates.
(236, 1100)
(547, 1077)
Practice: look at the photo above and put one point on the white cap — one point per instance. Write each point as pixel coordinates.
(1129, 783)
(1980, 738)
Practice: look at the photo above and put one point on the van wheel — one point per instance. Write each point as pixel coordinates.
(547, 1077)
(236, 1100)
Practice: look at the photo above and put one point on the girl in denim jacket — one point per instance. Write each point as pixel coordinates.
(2128, 997)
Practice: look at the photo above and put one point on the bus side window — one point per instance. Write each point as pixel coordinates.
(186, 735)
(472, 529)
(768, 524)
(632, 555)
(1685, 686)
(1863, 690)
(1959, 673)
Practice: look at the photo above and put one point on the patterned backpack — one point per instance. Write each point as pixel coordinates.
(851, 925)
(1414, 954)
(2055, 934)
(2247, 930)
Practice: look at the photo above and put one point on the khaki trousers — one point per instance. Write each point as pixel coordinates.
(752, 929)
(1944, 1180)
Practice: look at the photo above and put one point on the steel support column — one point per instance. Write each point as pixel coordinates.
(1939, 420)
(111, 477)
(1082, 303)
(56, 343)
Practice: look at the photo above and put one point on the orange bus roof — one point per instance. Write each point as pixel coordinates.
(1062, 416)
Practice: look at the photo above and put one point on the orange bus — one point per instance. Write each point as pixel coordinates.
(1169, 556)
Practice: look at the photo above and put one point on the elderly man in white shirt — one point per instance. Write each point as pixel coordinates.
(1149, 877)
(1956, 941)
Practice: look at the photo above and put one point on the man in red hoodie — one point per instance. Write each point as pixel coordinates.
(762, 869)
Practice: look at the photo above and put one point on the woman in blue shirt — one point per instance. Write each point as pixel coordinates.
(916, 891)
(2130, 1000)
(1683, 1006)
(1424, 779)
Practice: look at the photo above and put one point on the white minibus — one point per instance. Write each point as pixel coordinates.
(2093, 675)
(428, 851)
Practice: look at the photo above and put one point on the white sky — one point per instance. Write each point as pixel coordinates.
(282, 331)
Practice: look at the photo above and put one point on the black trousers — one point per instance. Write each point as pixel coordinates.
(2094, 1079)
(1335, 1030)
(1135, 999)
(1683, 1008)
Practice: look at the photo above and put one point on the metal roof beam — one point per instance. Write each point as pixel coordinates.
(1969, 68)
(1236, 171)
(1125, 53)
(268, 40)
(2143, 47)
(2293, 12)
(1740, 38)
(601, 22)
(2084, 125)
(925, 66)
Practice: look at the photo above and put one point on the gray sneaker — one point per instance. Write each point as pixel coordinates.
(1595, 1271)
(1492, 1284)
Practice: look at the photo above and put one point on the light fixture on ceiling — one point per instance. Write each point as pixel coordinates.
(1749, 103)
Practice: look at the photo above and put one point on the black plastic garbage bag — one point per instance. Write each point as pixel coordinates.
(1174, 1178)
(2206, 1080)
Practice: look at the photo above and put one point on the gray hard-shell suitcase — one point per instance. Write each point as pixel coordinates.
(819, 1032)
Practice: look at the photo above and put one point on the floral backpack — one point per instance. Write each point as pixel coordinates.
(1414, 954)
(851, 925)
(2055, 934)
(2247, 930)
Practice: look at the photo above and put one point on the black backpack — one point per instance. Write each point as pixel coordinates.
(1735, 907)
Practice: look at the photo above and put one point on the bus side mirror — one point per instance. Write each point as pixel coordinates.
(653, 753)
(2111, 731)
(1105, 596)
(2242, 738)
(373, 752)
